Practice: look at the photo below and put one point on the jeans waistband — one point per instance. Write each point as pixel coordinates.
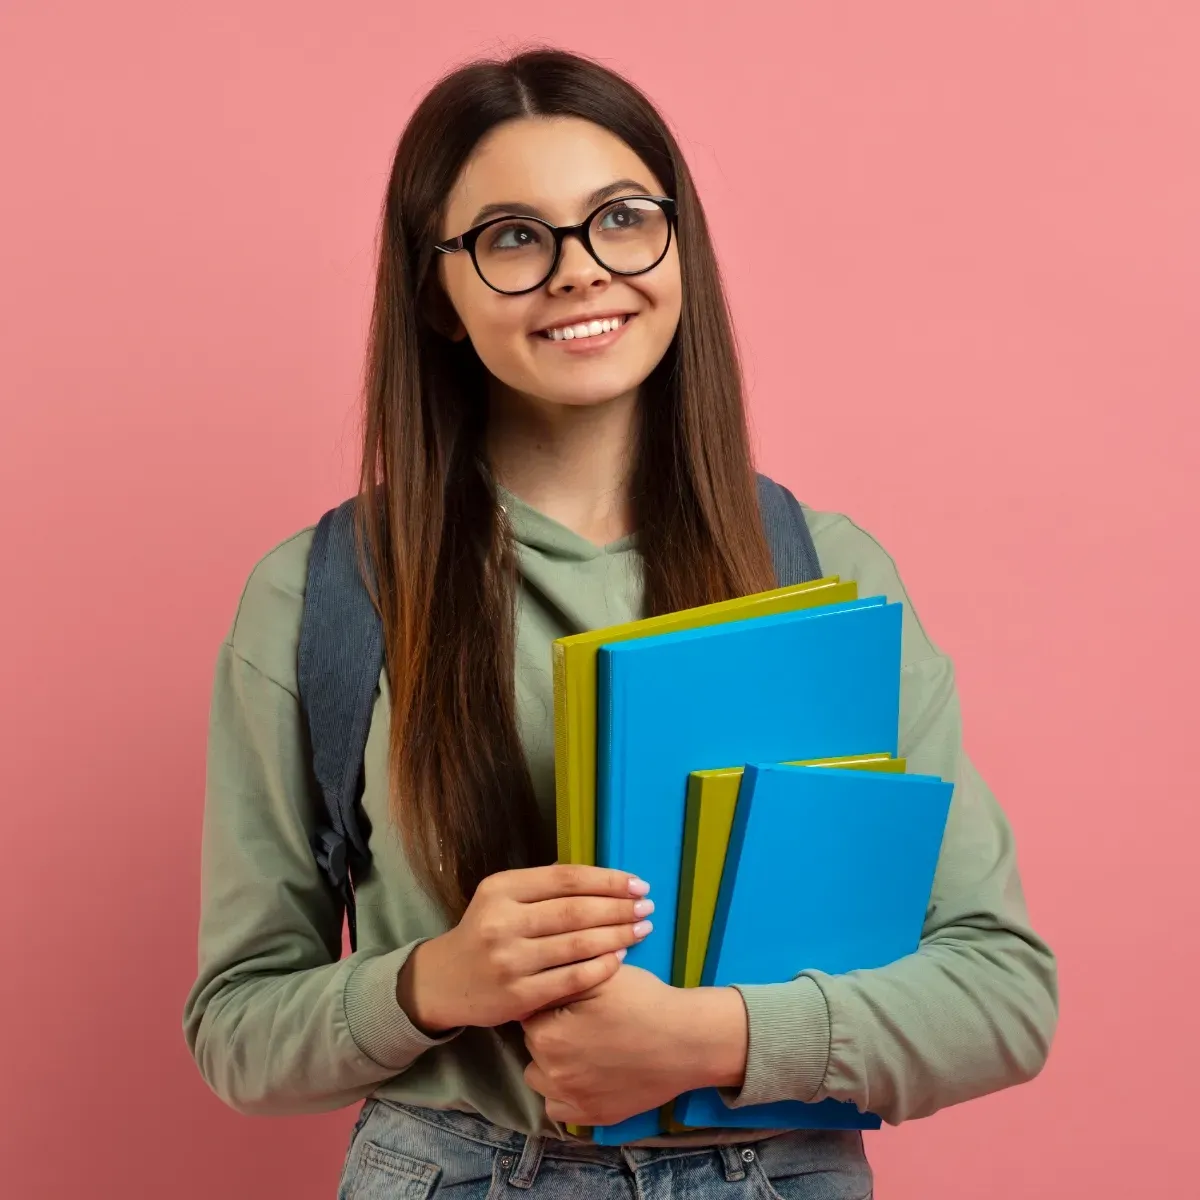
(521, 1156)
(477, 1129)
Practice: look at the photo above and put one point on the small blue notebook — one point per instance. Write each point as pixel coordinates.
(816, 683)
(827, 870)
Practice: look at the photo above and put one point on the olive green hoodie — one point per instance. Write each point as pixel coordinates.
(278, 1023)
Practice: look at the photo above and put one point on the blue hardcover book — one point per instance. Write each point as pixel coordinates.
(827, 870)
(810, 684)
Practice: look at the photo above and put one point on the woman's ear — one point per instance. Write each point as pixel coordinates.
(442, 315)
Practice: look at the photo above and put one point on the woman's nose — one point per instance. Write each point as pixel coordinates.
(577, 269)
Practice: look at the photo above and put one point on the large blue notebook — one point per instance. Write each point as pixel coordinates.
(827, 870)
(811, 684)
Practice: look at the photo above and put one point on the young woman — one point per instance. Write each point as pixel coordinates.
(555, 441)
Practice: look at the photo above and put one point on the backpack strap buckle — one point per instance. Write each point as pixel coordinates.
(330, 850)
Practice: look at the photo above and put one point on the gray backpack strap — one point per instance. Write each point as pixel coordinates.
(338, 667)
(787, 532)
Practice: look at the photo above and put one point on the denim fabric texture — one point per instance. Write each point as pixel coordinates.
(399, 1152)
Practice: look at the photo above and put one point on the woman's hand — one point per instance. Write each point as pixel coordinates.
(631, 1045)
(528, 939)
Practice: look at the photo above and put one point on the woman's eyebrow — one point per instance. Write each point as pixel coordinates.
(621, 185)
(515, 208)
(508, 208)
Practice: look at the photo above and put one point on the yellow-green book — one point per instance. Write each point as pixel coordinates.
(574, 662)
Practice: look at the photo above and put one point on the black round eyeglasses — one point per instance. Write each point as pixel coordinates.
(518, 254)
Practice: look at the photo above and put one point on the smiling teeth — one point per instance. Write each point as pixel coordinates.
(585, 329)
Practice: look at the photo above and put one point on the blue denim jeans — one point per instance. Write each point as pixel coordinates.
(403, 1153)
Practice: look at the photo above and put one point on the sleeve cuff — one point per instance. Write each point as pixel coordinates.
(788, 1054)
(379, 1026)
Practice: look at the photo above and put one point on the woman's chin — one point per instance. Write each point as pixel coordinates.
(593, 399)
(573, 396)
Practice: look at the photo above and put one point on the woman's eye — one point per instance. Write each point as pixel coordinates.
(621, 217)
(513, 237)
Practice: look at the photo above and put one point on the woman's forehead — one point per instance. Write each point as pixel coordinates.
(550, 164)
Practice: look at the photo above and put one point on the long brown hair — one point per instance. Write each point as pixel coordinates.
(436, 543)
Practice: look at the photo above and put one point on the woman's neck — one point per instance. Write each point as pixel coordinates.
(570, 462)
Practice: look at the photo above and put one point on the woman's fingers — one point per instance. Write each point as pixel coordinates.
(533, 884)
(547, 953)
(564, 1113)
(557, 984)
(550, 917)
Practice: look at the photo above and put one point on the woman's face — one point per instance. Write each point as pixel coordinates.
(559, 169)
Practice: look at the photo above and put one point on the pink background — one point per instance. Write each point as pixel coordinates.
(976, 332)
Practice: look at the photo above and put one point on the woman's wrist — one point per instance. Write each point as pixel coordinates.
(416, 990)
(715, 1033)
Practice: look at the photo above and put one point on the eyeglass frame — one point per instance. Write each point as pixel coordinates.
(466, 241)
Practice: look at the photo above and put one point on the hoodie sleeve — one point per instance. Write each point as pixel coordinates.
(277, 1022)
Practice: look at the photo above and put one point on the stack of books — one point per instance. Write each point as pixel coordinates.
(742, 758)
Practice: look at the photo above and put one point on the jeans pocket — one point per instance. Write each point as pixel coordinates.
(374, 1172)
(813, 1166)
(816, 1185)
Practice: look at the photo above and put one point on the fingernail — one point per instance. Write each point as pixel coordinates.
(643, 908)
(638, 887)
(642, 928)
(621, 954)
